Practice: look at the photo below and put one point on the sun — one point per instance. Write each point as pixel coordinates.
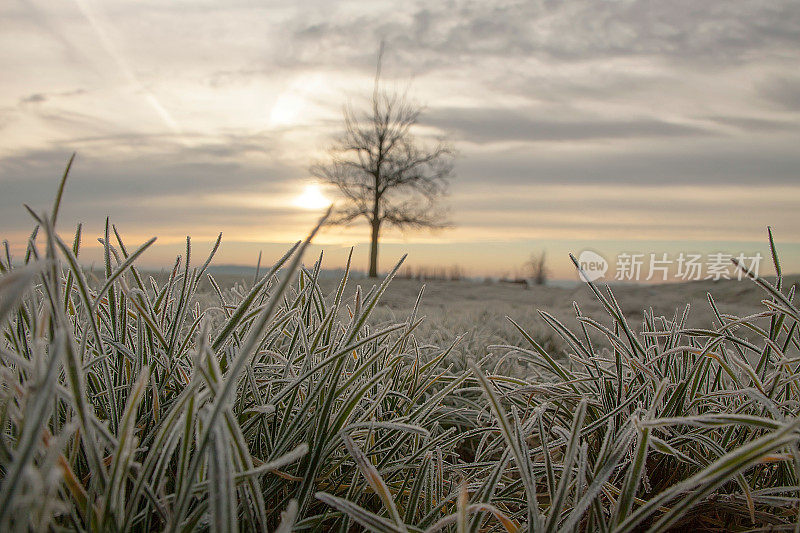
(312, 197)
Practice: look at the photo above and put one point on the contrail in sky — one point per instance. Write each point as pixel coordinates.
(123, 66)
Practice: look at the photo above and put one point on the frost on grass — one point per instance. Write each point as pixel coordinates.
(127, 405)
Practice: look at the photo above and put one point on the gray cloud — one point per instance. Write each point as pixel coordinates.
(712, 31)
(783, 92)
(38, 98)
(492, 125)
(753, 124)
(721, 163)
(124, 187)
(34, 98)
(499, 208)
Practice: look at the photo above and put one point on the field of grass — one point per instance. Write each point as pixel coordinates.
(479, 312)
(135, 404)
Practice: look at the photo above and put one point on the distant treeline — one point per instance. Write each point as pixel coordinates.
(441, 273)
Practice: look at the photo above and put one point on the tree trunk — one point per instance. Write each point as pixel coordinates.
(373, 250)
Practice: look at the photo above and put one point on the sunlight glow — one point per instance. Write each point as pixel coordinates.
(299, 100)
(288, 110)
(311, 198)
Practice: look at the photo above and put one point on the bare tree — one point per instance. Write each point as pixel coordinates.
(382, 172)
(537, 268)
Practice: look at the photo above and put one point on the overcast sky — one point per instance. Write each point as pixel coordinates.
(634, 125)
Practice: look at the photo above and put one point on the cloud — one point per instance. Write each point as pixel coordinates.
(142, 187)
(754, 124)
(686, 31)
(783, 92)
(484, 125)
(722, 162)
(34, 98)
(38, 98)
